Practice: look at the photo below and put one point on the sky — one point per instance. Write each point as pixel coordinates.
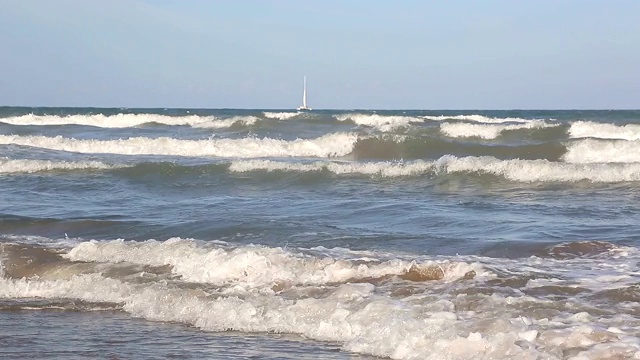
(356, 54)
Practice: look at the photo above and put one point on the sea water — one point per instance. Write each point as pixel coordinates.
(193, 233)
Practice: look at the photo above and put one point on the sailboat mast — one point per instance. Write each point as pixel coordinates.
(304, 92)
(304, 106)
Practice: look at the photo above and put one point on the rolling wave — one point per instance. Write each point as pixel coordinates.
(384, 169)
(280, 115)
(385, 123)
(484, 127)
(226, 123)
(331, 145)
(8, 166)
(477, 118)
(602, 151)
(388, 305)
(588, 129)
(488, 131)
(514, 170)
(255, 266)
(356, 146)
(107, 121)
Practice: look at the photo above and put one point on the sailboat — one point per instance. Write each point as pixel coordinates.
(304, 106)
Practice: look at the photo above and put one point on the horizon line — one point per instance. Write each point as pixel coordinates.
(317, 109)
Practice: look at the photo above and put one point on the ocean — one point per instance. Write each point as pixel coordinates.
(330, 234)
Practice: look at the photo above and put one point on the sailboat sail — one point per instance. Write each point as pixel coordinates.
(304, 93)
(304, 96)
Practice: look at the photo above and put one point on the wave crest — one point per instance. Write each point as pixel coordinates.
(488, 131)
(383, 123)
(602, 151)
(107, 121)
(331, 145)
(8, 166)
(588, 129)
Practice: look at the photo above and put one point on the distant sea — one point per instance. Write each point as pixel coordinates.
(331, 234)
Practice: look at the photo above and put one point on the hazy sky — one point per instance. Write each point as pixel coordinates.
(373, 54)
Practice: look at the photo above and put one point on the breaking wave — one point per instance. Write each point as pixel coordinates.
(381, 122)
(390, 306)
(476, 118)
(602, 151)
(513, 170)
(107, 121)
(259, 266)
(488, 131)
(331, 145)
(8, 166)
(226, 123)
(280, 115)
(588, 129)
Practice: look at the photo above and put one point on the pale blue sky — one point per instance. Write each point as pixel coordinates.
(376, 54)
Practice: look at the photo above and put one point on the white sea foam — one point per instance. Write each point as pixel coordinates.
(385, 169)
(476, 118)
(602, 151)
(336, 144)
(280, 115)
(350, 314)
(253, 266)
(31, 166)
(541, 170)
(225, 123)
(488, 131)
(356, 317)
(106, 121)
(588, 129)
(380, 122)
(443, 319)
(514, 170)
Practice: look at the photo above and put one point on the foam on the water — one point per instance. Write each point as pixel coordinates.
(588, 129)
(31, 166)
(280, 115)
(257, 266)
(380, 122)
(422, 308)
(331, 145)
(514, 170)
(225, 123)
(488, 131)
(602, 151)
(384, 169)
(107, 121)
(476, 118)
(541, 170)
